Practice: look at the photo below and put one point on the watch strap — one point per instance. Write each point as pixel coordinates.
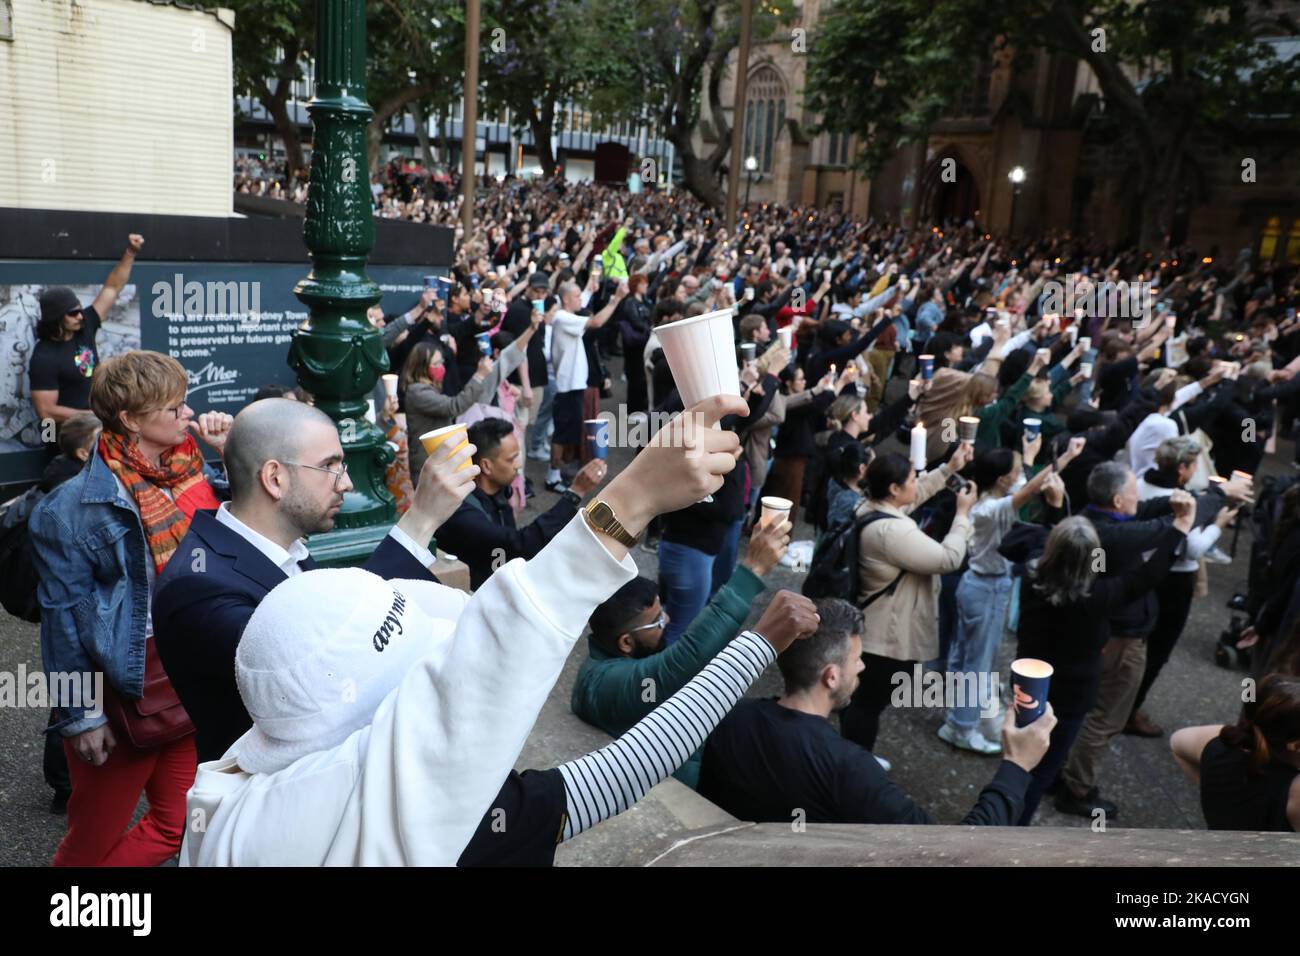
(612, 526)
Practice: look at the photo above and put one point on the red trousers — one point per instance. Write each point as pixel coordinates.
(104, 800)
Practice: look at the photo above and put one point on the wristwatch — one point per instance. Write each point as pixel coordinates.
(601, 517)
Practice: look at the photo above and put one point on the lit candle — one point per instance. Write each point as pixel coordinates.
(918, 446)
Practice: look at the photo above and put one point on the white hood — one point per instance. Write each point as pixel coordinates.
(410, 788)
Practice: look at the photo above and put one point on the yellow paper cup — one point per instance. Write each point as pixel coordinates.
(457, 433)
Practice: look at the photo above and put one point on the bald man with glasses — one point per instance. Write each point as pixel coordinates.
(288, 480)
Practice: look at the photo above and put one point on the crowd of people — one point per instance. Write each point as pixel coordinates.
(985, 472)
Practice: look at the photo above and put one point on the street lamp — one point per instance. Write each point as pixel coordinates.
(1017, 177)
(751, 165)
(336, 353)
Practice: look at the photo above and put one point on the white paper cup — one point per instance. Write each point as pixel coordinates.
(787, 337)
(390, 384)
(1086, 369)
(774, 509)
(701, 353)
(1085, 341)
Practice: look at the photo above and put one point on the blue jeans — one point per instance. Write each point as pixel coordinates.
(725, 562)
(685, 576)
(982, 604)
(1041, 777)
(947, 618)
(539, 432)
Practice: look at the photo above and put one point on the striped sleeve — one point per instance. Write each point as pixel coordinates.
(606, 782)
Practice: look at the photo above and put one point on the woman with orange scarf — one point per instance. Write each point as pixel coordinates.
(100, 540)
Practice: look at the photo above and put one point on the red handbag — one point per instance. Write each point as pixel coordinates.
(154, 719)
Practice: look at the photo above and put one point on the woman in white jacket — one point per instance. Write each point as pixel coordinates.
(1175, 464)
(386, 719)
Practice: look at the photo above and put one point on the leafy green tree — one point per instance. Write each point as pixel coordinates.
(678, 56)
(270, 40)
(887, 70)
(415, 57)
(538, 56)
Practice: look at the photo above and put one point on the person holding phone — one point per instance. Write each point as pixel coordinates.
(984, 593)
(537, 390)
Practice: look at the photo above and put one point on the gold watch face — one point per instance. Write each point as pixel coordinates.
(600, 514)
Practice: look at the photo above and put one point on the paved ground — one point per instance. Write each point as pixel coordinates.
(1139, 774)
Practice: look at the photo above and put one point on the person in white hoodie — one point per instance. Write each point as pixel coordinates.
(386, 714)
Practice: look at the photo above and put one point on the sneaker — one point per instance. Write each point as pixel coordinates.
(991, 727)
(1087, 806)
(885, 765)
(559, 487)
(1216, 556)
(974, 741)
(539, 455)
(529, 491)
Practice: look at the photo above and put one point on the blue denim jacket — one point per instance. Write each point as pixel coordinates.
(90, 553)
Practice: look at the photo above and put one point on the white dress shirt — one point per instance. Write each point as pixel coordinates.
(287, 561)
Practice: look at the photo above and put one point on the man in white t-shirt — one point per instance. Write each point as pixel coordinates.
(1160, 424)
(569, 356)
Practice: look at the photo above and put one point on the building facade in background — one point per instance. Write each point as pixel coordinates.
(1050, 119)
(92, 117)
(500, 149)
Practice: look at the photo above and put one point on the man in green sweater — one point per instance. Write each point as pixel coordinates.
(630, 671)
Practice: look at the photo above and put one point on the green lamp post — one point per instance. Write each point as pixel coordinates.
(337, 354)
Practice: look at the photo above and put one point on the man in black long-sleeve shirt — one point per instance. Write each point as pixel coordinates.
(769, 760)
(482, 532)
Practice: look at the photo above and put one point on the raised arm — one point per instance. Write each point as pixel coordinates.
(118, 278)
(601, 317)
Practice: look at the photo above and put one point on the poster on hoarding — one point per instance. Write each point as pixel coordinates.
(228, 324)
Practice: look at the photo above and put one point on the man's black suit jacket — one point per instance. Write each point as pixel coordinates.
(201, 604)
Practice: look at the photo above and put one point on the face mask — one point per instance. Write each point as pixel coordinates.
(437, 373)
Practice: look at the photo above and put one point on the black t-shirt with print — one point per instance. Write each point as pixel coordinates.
(67, 366)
